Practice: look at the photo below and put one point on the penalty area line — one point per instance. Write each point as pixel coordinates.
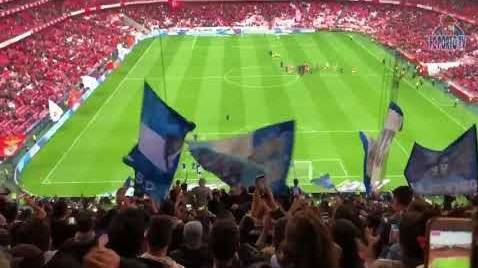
(298, 132)
(82, 182)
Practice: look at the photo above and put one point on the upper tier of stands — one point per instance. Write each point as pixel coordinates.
(49, 64)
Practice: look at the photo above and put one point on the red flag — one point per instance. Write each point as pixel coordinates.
(109, 65)
(73, 98)
(130, 41)
(9, 145)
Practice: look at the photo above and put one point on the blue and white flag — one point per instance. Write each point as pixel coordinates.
(324, 181)
(451, 171)
(156, 156)
(367, 143)
(266, 151)
(128, 182)
(376, 152)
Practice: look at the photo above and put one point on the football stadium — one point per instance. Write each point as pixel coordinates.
(208, 79)
(197, 133)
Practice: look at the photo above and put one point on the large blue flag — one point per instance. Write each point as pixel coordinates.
(266, 151)
(376, 152)
(155, 157)
(451, 171)
(324, 181)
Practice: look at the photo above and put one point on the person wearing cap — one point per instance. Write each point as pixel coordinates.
(192, 253)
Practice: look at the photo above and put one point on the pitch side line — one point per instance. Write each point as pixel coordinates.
(194, 43)
(343, 167)
(298, 132)
(438, 107)
(400, 146)
(419, 92)
(83, 182)
(338, 160)
(93, 119)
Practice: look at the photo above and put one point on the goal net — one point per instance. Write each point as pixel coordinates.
(301, 170)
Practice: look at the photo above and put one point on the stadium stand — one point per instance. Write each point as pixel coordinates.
(202, 227)
(27, 65)
(60, 55)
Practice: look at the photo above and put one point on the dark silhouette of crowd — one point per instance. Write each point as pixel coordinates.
(203, 227)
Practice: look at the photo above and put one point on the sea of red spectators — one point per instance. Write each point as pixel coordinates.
(464, 75)
(467, 8)
(48, 64)
(14, 4)
(25, 20)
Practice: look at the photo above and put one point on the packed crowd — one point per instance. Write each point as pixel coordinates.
(389, 25)
(466, 8)
(201, 227)
(465, 75)
(48, 64)
(23, 21)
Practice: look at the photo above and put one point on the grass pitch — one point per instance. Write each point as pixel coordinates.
(208, 78)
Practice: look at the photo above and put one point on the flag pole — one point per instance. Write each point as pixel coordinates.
(163, 69)
(293, 170)
(186, 179)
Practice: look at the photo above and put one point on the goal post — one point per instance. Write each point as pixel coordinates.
(301, 169)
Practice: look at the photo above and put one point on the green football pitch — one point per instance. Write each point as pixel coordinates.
(207, 78)
(457, 262)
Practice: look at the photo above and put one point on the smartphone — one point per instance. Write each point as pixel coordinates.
(71, 221)
(449, 243)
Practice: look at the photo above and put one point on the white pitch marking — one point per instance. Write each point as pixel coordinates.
(83, 182)
(298, 132)
(93, 119)
(338, 160)
(194, 42)
(419, 92)
(343, 167)
(400, 146)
